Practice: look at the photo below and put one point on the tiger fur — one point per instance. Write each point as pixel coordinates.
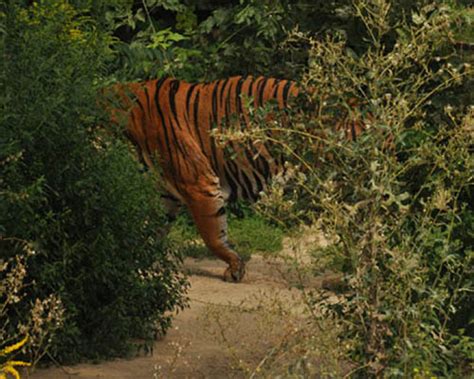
(170, 122)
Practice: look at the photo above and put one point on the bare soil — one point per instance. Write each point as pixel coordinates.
(218, 336)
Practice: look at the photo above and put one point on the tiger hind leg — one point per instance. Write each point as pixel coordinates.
(206, 204)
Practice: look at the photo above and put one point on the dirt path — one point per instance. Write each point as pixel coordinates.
(196, 347)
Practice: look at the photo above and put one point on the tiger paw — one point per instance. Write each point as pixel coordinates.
(235, 275)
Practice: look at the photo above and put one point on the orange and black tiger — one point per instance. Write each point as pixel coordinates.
(171, 122)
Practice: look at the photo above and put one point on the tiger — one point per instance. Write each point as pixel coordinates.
(171, 124)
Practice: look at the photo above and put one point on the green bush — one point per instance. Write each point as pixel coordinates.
(93, 221)
(395, 205)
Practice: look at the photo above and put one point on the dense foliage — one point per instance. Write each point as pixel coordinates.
(75, 197)
(203, 40)
(396, 204)
(198, 40)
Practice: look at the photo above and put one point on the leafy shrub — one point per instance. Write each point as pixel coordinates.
(202, 40)
(94, 221)
(396, 204)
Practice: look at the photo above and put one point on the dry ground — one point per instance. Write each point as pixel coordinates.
(226, 332)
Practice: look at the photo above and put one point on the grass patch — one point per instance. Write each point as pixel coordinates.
(248, 235)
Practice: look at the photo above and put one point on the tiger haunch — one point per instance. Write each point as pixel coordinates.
(171, 122)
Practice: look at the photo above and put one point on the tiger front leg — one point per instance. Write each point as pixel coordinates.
(207, 209)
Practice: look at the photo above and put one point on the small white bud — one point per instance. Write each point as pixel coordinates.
(448, 108)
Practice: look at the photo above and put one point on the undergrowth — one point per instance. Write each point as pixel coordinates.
(249, 235)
